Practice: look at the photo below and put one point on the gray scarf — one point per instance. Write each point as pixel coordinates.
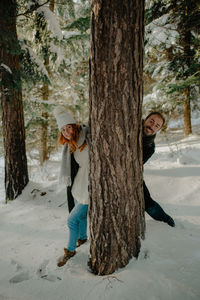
(65, 171)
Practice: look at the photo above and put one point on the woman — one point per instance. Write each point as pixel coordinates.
(74, 172)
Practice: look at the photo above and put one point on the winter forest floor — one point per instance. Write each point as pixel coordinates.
(33, 233)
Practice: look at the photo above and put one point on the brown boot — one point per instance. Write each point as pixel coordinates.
(68, 254)
(81, 242)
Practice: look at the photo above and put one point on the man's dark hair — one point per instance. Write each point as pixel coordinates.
(158, 114)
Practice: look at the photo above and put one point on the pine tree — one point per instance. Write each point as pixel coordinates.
(172, 55)
(43, 38)
(116, 196)
(16, 172)
(65, 34)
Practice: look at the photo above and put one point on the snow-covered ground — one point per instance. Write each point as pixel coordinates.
(33, 233)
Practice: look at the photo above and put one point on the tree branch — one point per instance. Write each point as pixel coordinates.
(33, 8)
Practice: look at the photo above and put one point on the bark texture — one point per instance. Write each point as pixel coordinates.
(187, 114)
(116, 196)
(16, 172)
(186, 37)
(45, 117)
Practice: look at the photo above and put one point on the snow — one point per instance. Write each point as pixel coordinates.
(70, 34)
(52, 22)
(6, 68)
(35, 58)
(33, 233)
(161, 32)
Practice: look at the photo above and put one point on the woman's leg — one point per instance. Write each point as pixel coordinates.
(77, 216)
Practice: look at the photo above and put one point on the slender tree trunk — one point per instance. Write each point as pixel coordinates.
(16, 171)
(116, 194)
(51, 5)
(45, 97)
(186, 42)
(187, 114)
(45, 116)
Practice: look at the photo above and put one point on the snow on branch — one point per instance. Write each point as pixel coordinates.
(6, 68)
(33, 5)
(35, 58)
(51, 21)
(160, 31)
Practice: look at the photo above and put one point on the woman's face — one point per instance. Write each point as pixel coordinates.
(67, 131)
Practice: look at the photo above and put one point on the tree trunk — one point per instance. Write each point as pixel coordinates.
(187, 114)
(16, 171)
(45, 97)
(186, 43)
(45, 116)
(116, 195)
(51, 5)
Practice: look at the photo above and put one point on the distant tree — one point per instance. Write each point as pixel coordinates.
(172, 62)
(54, 66)
(116, 85)
(16, 172)
(43, 38)
(187, 13)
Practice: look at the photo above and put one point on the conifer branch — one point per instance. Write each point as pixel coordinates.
(33, 8)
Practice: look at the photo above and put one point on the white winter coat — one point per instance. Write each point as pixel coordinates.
(80, 185)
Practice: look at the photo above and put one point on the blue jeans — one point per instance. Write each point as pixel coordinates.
(77, 224)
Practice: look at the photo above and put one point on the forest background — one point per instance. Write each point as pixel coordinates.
(54, 45)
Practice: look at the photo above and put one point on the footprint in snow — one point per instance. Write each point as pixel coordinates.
(42, 273)
(51, 277)
(18, 265)
(20, 277)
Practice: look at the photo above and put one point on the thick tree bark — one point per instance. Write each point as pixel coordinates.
(116, 196)
(16, 172)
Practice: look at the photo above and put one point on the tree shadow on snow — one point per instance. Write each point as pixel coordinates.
(175, 172)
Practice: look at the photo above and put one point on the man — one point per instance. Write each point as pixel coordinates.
(151, 125)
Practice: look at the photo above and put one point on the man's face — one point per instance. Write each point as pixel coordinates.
(152, 125)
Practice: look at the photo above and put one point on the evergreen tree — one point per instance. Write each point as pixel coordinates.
(116, 194)
(63, 37)
(43, 39)
(16, 172)
(172, 34)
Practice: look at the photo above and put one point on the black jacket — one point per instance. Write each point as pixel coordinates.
(148, 145)
(74, 170)
(148, 150)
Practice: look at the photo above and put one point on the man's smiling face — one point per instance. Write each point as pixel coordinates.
(152, 125)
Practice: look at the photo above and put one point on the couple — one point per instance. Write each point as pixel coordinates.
(75, 170)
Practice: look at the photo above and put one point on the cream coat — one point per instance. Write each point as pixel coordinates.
(80, 185)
